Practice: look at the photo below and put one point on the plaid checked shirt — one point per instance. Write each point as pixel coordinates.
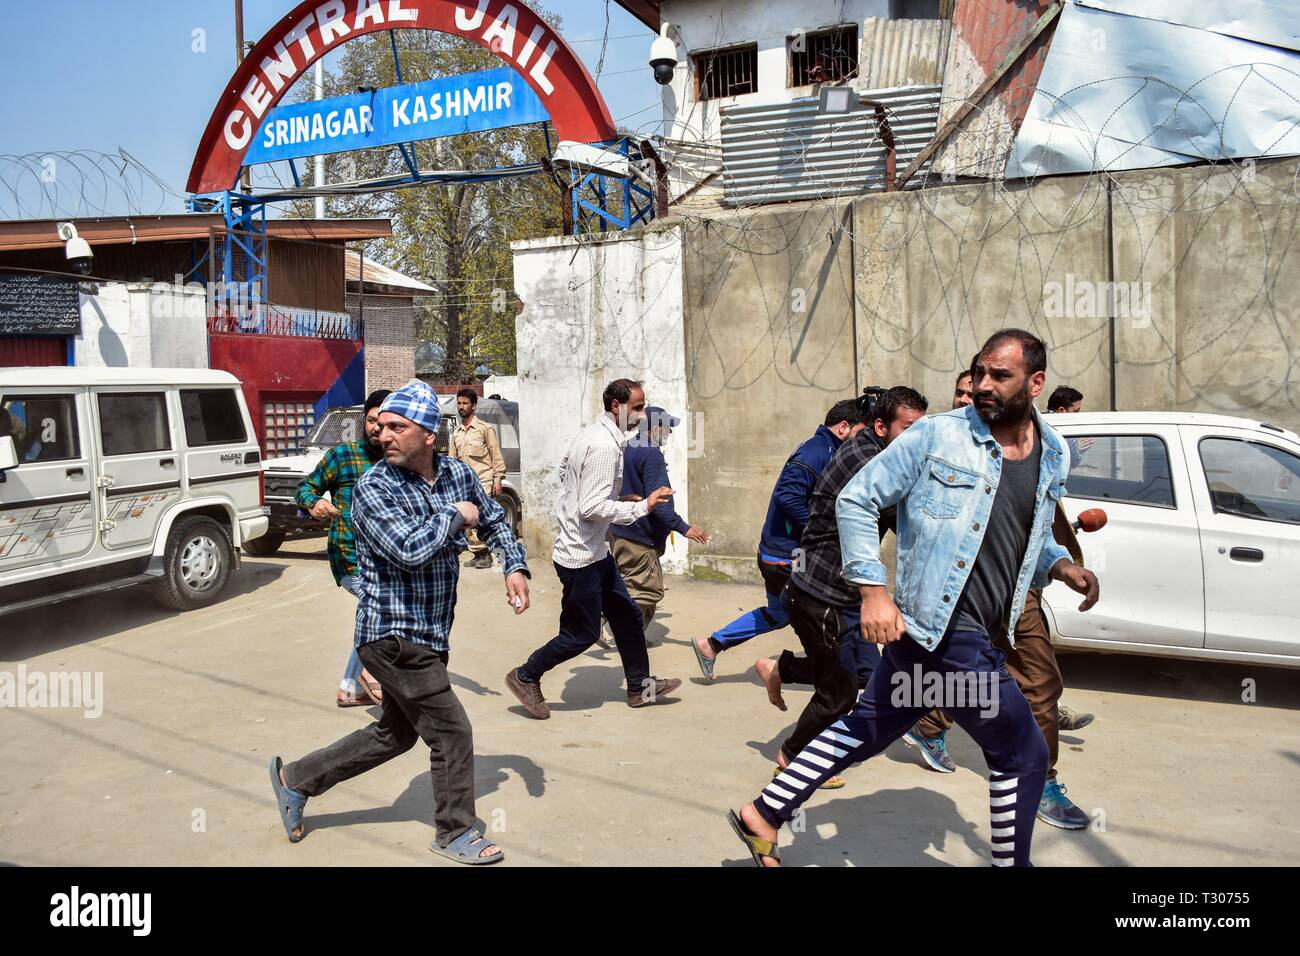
(337, 473)
(409, 539)
(817, 569)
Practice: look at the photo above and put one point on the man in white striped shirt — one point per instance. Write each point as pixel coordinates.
(591, 478)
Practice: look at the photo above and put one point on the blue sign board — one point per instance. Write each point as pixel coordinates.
(444, 106)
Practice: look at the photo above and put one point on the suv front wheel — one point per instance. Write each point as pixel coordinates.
(196, 563)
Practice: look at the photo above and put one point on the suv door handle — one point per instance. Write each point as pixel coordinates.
(1246, 554)
(76, 472)
(167, 463)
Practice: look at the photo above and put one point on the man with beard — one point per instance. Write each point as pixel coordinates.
(337, 474)
(590, 500)
(410, 512)
(475, 443)
(1031, 659)
(975, 491)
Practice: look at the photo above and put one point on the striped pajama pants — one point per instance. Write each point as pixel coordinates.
(1013, 745)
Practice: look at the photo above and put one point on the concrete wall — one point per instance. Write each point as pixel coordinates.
(751, 324)
(769, 346)
(1217, 245)
(939, 270)
(594, 312)
(139, 325)
(1210, 322)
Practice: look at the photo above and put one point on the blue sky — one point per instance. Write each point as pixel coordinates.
(99, 74)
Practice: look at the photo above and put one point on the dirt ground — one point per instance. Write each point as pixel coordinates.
(1176, 770)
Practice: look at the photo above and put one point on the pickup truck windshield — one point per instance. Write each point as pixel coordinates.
(340, 425)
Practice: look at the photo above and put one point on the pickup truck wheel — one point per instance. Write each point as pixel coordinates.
(266, 545)
(196, 564)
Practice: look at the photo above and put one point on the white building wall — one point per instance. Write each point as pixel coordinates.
(141, 325)
(698, 27)
(178, 324)
(616, 312)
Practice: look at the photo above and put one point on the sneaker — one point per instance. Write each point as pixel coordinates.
(663, 686)
(483, 560)
(933, 750)
(1056, 809)
(1068, 719)
(530, 695)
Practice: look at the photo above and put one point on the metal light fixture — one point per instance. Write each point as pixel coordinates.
(836, 99)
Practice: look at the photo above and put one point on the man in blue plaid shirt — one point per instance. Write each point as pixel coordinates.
(410, 512)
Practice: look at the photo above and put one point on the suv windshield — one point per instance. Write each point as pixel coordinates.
(340, 425)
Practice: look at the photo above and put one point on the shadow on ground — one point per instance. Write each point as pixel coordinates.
(1209, 681)
(415, 803)
(79, 621)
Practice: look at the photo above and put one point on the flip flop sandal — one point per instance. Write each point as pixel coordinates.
(352, 700)
(756, 845)
(832, 783)
(467, 847)
(706, 665)
(371, 687)
(290, 802)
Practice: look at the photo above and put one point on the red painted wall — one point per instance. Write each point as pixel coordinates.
(280, 365)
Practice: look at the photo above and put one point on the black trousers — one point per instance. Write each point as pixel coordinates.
(418, 703)
(588, 592)
(830, 637)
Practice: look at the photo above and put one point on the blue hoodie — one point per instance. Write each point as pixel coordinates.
(644, 470)
(787, 512)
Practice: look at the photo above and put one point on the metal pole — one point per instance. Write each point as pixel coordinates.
(245, 182)
(320, 160)
(1110, 278)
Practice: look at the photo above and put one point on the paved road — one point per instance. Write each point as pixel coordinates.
(1177, 769)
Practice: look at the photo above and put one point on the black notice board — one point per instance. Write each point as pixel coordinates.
(33, 304)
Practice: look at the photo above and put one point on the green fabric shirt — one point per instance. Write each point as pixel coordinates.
(337, 473)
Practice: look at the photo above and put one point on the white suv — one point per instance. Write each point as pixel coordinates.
(110, 477)
(1200, 556)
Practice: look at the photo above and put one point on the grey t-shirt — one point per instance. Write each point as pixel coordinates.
(985, 602)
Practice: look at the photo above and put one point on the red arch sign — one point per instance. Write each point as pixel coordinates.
(510, 30)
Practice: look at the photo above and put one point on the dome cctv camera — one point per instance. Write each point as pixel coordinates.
(76, 250)
(663, 57)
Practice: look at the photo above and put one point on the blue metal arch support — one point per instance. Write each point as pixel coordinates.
(243, 278)
(633, 210)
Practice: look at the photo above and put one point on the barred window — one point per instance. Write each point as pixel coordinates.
(827, 56)
(729, 72)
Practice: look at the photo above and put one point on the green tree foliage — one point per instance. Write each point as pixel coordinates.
(455, 238)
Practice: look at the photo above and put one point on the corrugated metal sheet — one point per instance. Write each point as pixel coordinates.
(982, 34)
(903, 52)
(780, 152)
(1159, 92)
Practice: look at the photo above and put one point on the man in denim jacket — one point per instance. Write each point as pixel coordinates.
(975, 489)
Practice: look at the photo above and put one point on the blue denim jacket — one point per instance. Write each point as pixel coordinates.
(943, 474)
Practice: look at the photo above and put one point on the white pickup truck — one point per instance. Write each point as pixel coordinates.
(1200, 556)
